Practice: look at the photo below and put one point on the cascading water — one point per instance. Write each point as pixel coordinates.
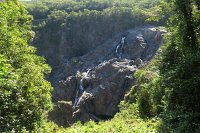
(76, 98)
(142, 40)
(81, 88)
(120, 48)
(81, 85)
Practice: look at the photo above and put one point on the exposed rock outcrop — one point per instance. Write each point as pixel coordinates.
(62, 113)
(96, 82)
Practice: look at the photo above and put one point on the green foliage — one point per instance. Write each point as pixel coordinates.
(180, 67)
(25, 96)
(173, 91)
(159, 13)
(169, 85)
(167, 90)
(148, 93)
(127, 121)
(70, 28)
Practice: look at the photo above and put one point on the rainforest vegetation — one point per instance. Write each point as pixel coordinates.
(83, 22)
(165, 97)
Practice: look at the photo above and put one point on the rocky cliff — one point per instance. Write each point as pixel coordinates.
(91, 86)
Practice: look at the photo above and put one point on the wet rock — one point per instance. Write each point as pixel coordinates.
(137, 62)
(139, 43)
(104, 87)
(100, 80)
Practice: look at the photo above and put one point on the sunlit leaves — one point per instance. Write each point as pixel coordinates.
(25, 96)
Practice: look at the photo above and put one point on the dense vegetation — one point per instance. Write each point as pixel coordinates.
(169, 86)
(25, 96)
(70, 28)
(166, 95)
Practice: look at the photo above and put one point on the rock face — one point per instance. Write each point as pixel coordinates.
(63, 109)
(96, 82)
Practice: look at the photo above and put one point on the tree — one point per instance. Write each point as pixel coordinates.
(180, 68)
(184, 11)
(25, 95)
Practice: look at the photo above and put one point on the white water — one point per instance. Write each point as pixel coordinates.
(119, 48)
(76, 98)
(81, 85)
(141, 39)
(81, 88)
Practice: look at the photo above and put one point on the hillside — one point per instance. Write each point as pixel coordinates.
(85, 53)
(66, 29)
(117, 66)
(92, 88)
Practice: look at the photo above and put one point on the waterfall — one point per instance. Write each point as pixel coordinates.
(88, 72)
(120, 48)
(142, 40)
(76, 98)
(81, 89)
(81, 85)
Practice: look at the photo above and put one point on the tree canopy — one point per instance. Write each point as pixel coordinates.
(80, 25)
(25, 95)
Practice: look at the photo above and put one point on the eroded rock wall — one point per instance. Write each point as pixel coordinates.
(91, 86)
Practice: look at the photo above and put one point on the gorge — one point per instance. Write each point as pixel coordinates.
(92, 87)
(99, 66)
